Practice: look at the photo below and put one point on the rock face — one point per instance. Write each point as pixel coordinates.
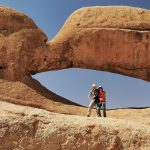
(114, 39)
(26, 128)
(19, 40)
(35, 95)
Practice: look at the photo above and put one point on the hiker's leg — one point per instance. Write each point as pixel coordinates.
(92, 103)
(104, 109)
(98, 110)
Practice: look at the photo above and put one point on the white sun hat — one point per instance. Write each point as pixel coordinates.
(94, 85)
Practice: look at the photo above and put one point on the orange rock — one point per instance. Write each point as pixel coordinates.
(26, 128)
(113, 38)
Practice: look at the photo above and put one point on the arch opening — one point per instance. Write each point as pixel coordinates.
(74, 84)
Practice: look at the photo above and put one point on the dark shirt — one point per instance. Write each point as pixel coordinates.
(96, 93)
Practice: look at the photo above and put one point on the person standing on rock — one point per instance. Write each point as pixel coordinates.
(94, 97)
(101, 102)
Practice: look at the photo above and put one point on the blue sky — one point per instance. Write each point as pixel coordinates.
(75, 84)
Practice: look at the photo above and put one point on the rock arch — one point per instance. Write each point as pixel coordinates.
(114, 39)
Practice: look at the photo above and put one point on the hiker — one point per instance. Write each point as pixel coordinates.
(94, 97)
(101, 102)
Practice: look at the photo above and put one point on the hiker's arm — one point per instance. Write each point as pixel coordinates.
(89, 96)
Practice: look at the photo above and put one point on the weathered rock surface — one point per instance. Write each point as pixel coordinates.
(26, 128)
(18, 37)
(35, 95)
(114, 39)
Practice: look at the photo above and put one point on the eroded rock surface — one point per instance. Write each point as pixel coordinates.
(35, 95)
(18, 37)
(26, 128)
(114, 39)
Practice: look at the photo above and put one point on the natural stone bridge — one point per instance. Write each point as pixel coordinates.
(113, 39)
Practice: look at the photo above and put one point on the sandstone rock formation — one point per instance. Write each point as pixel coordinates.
(19, 36)
(114, 39)
(35, 95)
(26, 128)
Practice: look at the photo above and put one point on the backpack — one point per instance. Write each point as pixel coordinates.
(102, 96)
